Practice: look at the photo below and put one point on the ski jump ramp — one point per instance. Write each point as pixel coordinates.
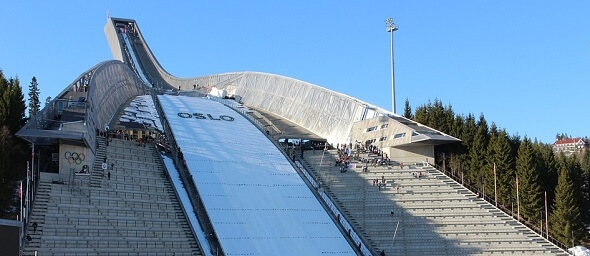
(255, 199)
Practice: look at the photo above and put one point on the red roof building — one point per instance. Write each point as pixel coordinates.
(569, 146)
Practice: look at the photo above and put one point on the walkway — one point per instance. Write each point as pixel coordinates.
(135, 212)
(436, 215)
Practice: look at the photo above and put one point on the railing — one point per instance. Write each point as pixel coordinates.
(504, 209)
(358, 241)
(186, 177)
(341, 218)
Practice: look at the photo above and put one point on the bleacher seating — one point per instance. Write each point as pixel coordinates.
(436, 215)
(135, 212)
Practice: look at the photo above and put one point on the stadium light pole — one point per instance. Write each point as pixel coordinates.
(390, 27)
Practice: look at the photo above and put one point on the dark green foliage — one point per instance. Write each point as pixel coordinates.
(535, 164)
(562, 136)
(12, 151)
(500, 154)
(435, 116)
(531, 193)
(6, 175)
(468, 131)
(408, 110)
(547, 168)
(565, 213)
(34, 104)
(12, 104)
(585, 180)
(477, 152)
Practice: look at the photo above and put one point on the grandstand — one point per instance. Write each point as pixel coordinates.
(242, 163)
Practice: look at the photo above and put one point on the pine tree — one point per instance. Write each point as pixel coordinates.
(585, 165)
(12, 104)
(529, 185)
(576, 173)
(505, 166)
(457, 126)
(4, 100)
(449, 116)
(12, 110)
(6, 168)
(468, 131)
(408, 110)
(547, 169)
(421, 114)
(477, 152)
(34, 104)
(500, 155)
(565, 210)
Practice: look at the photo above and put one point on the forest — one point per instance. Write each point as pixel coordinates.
(14, 151)
(488, 155)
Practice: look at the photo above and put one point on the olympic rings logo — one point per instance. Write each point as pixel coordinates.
(74, 157)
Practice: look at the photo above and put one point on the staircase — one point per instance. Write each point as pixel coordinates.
(97, 173)
(135, 212)
(433, 215)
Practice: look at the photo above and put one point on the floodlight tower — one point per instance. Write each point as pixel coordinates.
(391, 27)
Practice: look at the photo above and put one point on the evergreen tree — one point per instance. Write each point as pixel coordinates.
(547, 169)
(529, 185)
(437, 118)
(468, 131)
(505, 166)
(34, 103)
(449, 116)
(408, 110)
(12, 153)
(421, 114)
(457, 126)
(12, 104)
(500, 155)
(565, 211)
(477, 152)
(6, 172)
(576, 173)
(456, 151)
(4, 100)
(585, 165)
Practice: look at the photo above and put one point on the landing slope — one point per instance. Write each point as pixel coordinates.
(256, 201)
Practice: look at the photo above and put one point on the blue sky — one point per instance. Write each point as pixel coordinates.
(523, 64)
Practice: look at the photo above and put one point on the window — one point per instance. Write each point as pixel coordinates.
(399, 135)
(383, 138)
(370, 129)
(368, 142)
(384, 126)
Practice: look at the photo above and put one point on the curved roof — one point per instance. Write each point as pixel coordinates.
(101, 90)
(324, 112)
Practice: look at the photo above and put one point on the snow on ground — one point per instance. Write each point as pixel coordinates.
(186, 204)
(256, 201)
(142, 110)
(579, 251)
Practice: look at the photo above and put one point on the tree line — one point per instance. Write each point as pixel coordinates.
(565, 180)
(14, 152)
(483, 149)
